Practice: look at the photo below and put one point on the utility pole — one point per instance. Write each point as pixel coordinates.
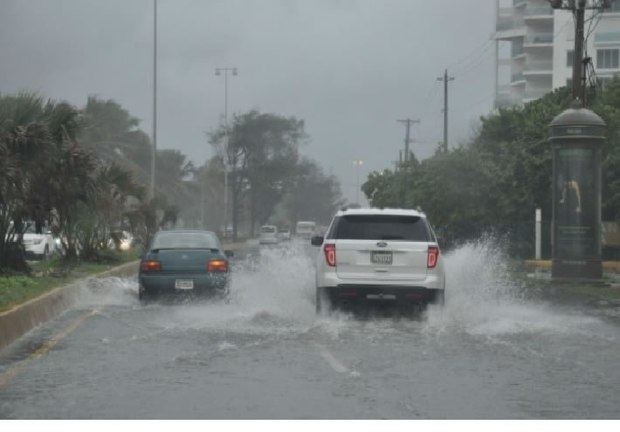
(408, 122)
(154, 131)
(445, 78)
(218, 72)
(358, 163)
(578, 8)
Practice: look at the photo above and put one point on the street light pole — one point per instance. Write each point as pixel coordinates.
(154, 126)
(218, 72)
(358, 163)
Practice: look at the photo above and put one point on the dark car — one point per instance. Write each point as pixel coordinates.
(184, 262)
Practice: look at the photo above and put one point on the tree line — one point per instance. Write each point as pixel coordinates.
(83, 172)
(494, 182)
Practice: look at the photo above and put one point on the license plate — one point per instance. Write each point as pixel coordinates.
(184, 284)
(381, 257)
(381, 297)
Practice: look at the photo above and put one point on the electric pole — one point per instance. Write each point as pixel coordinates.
(445, 78)
(154, 132)
(578, 8)
(408, 122)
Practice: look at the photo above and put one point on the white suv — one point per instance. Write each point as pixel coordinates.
(381, 255)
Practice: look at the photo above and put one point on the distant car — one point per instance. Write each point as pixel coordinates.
(268, 234)
(305, 229)
(284, 234)
(378, 255)
(184, 261)
(126, 241)
(39, 246)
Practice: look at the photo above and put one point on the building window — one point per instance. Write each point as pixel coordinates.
(607, 59)
(570, 55)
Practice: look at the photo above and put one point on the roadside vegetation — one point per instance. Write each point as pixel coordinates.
(82, 173)
(494, 182)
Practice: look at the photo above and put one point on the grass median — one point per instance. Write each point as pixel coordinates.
(46, 275)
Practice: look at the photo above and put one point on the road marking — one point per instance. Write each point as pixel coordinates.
(331, 360)
(14, 370)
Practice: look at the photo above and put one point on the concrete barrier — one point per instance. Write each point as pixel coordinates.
(16, 322)
(531, 265)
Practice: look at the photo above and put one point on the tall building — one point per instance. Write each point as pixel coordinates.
(534, 48)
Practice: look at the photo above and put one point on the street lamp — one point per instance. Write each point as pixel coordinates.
(358, 163)
(218, 72)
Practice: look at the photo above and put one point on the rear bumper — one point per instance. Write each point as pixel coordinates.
(165, 284)
(397, 294)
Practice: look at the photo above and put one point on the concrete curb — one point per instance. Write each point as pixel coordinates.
(16, 322)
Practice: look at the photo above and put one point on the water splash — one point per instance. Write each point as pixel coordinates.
(483, 297)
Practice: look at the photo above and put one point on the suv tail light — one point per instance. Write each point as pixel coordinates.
(432, 257)
(330, 254)
(150, 266)
(217, 266)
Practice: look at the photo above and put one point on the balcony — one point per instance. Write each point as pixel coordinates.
(517, 78)
(538, 12)
(539, 40)
(607, 38)
(531, 95)
(508, 23)
(538, 68)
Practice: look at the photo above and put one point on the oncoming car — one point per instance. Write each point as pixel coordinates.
(378, 255)
(184, 261)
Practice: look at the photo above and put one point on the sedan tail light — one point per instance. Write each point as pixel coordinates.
(432, 257)
(150, 266)
(217, 266)
(330, 254)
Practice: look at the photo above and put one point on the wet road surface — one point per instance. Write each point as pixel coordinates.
(490, 353)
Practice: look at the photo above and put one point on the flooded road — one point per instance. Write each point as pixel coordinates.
(492, 352)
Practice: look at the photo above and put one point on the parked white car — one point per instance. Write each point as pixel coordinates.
(39, 246)
(378, 255)
(268, 235)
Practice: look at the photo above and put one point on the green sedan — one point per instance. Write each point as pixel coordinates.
(189, 262)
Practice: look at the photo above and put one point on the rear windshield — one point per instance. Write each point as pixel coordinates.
(268, 229)
(185, 240)
(380, 227)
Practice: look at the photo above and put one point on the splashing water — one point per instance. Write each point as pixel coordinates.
(484, 298)
(275, 295)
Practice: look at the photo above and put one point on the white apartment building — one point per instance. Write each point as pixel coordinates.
(534, 48)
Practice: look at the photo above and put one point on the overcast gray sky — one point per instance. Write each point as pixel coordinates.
(349, 68)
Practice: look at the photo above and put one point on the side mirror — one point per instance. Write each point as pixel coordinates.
(229, 253)
(316, 240)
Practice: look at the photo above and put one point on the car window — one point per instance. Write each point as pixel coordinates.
(185, 240)
(380, 227)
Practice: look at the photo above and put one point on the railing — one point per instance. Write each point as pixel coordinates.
(539, 66)
(509, 23)
(516, 49)
(535, 94)
(517, 77)
(539, 39)
(607, 37)
(539, 10)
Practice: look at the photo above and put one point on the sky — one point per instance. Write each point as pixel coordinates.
(348, 68)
